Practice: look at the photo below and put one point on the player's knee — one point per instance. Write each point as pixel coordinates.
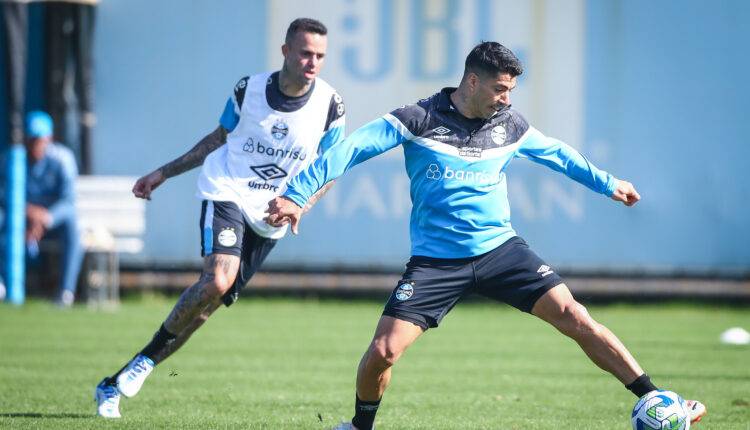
(217, 284)
(578, 321)
(382, 354)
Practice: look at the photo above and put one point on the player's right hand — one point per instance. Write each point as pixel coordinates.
(282, 211)
(146, 184)
(626, 193)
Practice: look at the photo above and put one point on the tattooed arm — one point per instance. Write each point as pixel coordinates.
(311, 202)
(190, 160)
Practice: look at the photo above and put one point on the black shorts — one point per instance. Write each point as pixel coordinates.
(430, 287)
(225, 231)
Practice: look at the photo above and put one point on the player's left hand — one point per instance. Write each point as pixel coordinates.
(626, 193)
(282, 211)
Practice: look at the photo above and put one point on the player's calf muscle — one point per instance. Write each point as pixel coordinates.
(186, 332)
(191, 303)
(219, 272)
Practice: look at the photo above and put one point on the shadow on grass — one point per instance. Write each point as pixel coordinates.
(42, 415)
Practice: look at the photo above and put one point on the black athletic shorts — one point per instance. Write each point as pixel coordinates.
(225, 231)
(430, 287)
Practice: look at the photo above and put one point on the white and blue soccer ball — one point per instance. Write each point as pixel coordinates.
(660, 410)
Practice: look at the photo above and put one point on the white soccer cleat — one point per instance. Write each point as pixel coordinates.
(130, 380)
(107, 400)
(696, 410)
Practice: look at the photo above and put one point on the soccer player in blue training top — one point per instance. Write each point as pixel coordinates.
(273, 126)
(457, 144)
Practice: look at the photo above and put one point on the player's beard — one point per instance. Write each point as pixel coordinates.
(297, 79)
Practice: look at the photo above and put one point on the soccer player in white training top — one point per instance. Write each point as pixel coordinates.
(273, 126)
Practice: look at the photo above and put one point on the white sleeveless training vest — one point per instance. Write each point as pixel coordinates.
(267, 147)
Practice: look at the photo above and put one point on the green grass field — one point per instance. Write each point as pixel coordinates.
(282, 363)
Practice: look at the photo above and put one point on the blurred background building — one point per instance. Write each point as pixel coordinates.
(654, 92)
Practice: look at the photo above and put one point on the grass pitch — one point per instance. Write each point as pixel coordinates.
(290, 364)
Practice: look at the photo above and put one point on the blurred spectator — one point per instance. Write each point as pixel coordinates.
(50, 202)
(69, 33)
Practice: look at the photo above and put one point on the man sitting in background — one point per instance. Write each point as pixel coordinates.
(50, 201)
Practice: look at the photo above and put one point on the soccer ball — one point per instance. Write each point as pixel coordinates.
(660, 410)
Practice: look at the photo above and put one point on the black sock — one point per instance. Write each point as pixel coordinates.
(364, 414)
(161, 340)
(641, 385)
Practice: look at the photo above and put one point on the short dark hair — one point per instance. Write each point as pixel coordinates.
(307, 25)
(491, 58)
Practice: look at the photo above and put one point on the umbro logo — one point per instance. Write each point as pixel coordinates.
(442, 130)
(545, 270)
(269, 171)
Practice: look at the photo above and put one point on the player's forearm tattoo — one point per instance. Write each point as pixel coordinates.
(315, 197)
(196, 155)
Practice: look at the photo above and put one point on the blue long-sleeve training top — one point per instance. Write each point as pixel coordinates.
(456, 167)
(50, 182)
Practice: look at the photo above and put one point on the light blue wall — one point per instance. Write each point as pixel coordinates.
(668, 90)
(665, 84)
